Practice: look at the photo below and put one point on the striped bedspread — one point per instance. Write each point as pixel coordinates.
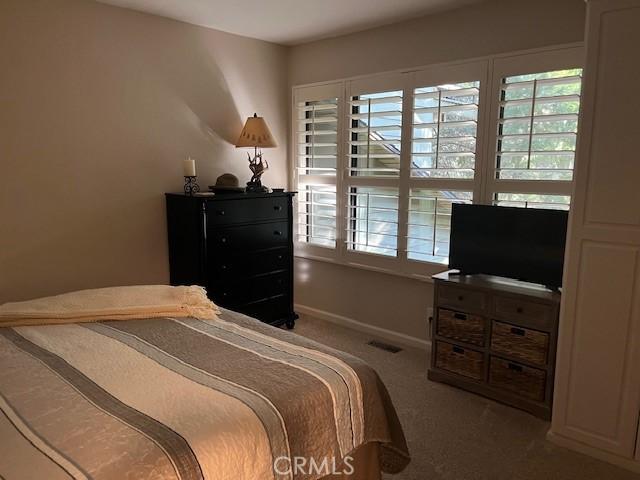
(183, 399)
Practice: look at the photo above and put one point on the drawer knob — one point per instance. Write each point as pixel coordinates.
(277, 208)
(223, 239)
(220, 212)
(278, 233)
(514, 367)
(460, 316)
(460, 298)
(519, 310)
(458, 350)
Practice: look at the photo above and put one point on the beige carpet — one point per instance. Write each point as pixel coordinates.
(456, 435)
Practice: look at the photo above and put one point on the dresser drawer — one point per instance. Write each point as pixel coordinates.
(537, 315)
(268, 310)
(461, 298)
(459, 360)
(225, 265)
(464, 327)
(524, 381)
(233, 293)
(521, 343)
(261, 236)
(248, 210)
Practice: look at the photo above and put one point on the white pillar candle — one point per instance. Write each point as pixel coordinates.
(189, 166)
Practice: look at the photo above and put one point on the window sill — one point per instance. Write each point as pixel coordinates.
(431, 268)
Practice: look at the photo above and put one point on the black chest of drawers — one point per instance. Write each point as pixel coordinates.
(240, 247)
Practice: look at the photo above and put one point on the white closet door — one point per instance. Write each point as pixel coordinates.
(598, 371)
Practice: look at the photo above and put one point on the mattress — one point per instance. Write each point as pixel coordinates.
(189, 399)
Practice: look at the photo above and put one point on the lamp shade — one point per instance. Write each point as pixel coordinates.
(255, 134)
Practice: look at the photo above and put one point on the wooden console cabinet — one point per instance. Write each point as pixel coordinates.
(497, 338)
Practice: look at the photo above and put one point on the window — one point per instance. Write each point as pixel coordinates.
(444, 134)
(376, 124)
(316, 136)
(445, 122)
(374, 158)
(381, 160)
(536, 141)
(532, 200)
(317, 215)
(430, 222)
(373, 220)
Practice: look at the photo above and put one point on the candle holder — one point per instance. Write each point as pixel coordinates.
(191, 185)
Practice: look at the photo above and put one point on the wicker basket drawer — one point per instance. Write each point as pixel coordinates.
(517, 310)
(461, 298)
(524, 381)
(464, 327)
(460, 360)
(527, 345)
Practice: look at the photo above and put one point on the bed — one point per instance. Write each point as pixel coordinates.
(181, 397)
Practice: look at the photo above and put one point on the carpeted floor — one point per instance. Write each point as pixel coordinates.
(456, 435)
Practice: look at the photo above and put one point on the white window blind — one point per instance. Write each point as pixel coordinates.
(372, 220)
(317, 137)
(376, 184)
(317, 215)
(444, 133)
(537, 125)
(374, 135)
(430, 223)
(532, 200)
(445, 124)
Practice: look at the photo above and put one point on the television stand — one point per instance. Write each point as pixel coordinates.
(496, 338)
(460, 273)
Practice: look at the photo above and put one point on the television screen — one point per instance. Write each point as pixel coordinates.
(522, 243)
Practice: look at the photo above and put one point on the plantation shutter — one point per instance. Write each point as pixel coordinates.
(375, 134)
(316, 136)
(536, 138)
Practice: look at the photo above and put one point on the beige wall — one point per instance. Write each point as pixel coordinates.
(98, 105)
(391, 302)
(482, 29)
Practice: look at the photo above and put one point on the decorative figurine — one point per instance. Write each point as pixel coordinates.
(257, 167)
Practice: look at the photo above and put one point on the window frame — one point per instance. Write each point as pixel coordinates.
(523, 64)
(316, 93)
(434, 76)
(489, 71)
(378, 83)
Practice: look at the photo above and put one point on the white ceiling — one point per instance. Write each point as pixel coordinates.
(289, 22)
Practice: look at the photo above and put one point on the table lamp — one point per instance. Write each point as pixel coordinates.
(256, 134)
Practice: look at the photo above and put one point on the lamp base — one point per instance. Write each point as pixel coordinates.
(256, 187)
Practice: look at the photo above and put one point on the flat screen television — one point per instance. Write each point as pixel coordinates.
(521, 243)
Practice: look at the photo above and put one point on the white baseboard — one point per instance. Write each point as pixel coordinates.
(623, 462)
(380, 332)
